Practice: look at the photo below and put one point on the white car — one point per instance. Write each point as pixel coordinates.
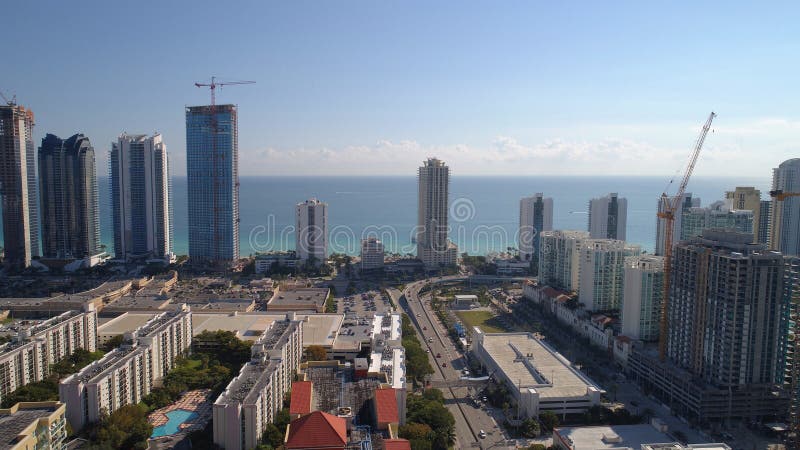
(482, 434)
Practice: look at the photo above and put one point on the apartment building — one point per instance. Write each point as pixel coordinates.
(535, 216)
(252, 399)
(661, 231)
(434, 249)
(128, 373)
(371, 254)
(608, 217)
(601, 265)
(33, 426)
(642, 297)
(716, 215)
(559, 258)
(27, 359)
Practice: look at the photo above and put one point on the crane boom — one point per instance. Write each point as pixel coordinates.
(668, 214)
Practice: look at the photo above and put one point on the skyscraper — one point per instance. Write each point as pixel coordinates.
(535, 216)
(748, 199)
(312, 231)
(559, 258)
(212, 169)
(433, 246)
(68, 189)
(764, 221)
(608, 217)
(141, 198)
(642, 299)
(18, 188)
(785, 214)
(602, 268)
(688, 202)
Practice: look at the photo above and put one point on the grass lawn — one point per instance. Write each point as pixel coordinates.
(487, 322)
(193, 363)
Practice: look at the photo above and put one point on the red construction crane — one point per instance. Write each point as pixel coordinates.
(214, 155)
(670, 205)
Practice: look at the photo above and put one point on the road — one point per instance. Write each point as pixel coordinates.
(469, 419)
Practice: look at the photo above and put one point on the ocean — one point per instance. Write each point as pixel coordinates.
(484, 210)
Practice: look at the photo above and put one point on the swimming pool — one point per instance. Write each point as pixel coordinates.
(176, 418)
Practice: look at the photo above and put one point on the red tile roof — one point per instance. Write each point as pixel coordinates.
(317, 430)
(301, 398)
(386, 406)
(396, 444)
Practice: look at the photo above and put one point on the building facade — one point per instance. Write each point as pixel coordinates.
(716, 215)
(69, 204)
(746, 198)
(251, 401)
(535, 216)
(141, 198)
(34, 426)
(642, 298)
(212, 171)
(433, 246)
(128, 373)
(311, 238)
(18, 186)
(559, 258)
(764, 221)
(686, 203)
(371, 254)
(602, 267)
(785, 214)
(608, 217)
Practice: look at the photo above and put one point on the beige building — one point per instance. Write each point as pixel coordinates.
(33, 426)
(746, 198)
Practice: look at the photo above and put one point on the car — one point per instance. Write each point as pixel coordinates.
(424, 328)
(430, 340)
(438, 355)
(444, 364)
(427, 350)
(418, 315)
(482, 434)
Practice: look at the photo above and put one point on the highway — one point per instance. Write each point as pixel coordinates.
(469, 418)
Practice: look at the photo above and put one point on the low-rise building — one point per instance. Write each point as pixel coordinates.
(252, 399)
(318, 430)
(128, 373)
(33, 425)
(622, 437)
(264, 262)
(298, 298)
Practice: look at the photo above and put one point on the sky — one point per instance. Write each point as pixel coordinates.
(375, 87)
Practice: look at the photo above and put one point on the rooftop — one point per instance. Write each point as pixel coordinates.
(300, 298)
(386, 406)
(318, 329)
(301, 397)
(317, 430)
(124, 323)
(14, 420)
(618, 437)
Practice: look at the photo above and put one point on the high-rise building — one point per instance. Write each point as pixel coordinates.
(725, 309)
(18, 188)
(68, 189)
(642, 299)
(312, 231)
(141, 198)
(785, 214)
(433, 246)
(764, 221)
(535, 216)
(608, 217)
(602, 267)
(748, 199)
(371, 254)
(212, 169)
(688, 202)
(559, 258)
(716, 215)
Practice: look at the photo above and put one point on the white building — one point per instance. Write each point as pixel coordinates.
(608, 217)
(538, 378)
(433, 246)
(644, 291)
(535, 216)
(141, 198)
(312, 231)
(688, 202)
(652, 436)
(784, 221)
(128, 373)
(716, 215)
(371, 254)
(252, 399)
(265, 261)
(28, 358)
(559, 258)
(601, 273)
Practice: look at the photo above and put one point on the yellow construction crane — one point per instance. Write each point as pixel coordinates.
(667, 213)
(780, 196)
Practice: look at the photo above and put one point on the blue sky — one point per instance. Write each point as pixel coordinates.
(519, 88)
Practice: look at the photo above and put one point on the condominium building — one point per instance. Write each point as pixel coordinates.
(716, 215)
(18, 189)
(311, 241)
(33, 426)
(535, 216)
(252, 399)
(642, 299)
(785, 214)
(559, 258)
(27, 359)
(68, 189)
(128, 373)
(212, 172)
(764, 221)
(608, 217)
(748, 198)
(687, 202)
(371, 254)
(602, 266)
(433, 246)
(141, 198)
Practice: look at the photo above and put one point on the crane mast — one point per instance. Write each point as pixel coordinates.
(668, 215)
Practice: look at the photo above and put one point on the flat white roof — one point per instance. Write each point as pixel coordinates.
(318, 329)
(124, 323)
(532, 364)
(619, 436)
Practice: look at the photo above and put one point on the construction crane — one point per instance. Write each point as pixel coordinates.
(667, 213)
(780, 196)
(11, 102)
(215, 156)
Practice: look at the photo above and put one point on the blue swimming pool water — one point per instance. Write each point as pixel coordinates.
(176, 418)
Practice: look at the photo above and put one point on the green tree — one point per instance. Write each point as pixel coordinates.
(549, 419)
(125, 428)
(412, 431)
(316, 353)
(112, 343)
(530, 428)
